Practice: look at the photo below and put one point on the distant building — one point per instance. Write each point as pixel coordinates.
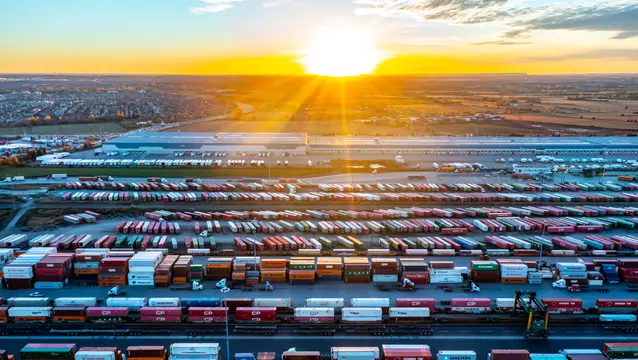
(169, 143)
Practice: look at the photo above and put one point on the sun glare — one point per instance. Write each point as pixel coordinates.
(341, 51)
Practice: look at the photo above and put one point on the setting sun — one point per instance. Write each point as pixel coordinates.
(341, 51)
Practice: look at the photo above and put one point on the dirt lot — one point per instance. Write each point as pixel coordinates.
(41, 219)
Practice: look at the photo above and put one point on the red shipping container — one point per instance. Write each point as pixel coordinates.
(628, 263)
(417, 277)
(442, 264)
(560, 229)
(409, 352)
(589, 228)
(454, 231)
(510, 355)
(49, 272)
(160, 311)
(624, 272)
(558, 302)
(471, 302)
(96, 311)
(616, 303)
(207, 314)
(256, 314)
(417, 302)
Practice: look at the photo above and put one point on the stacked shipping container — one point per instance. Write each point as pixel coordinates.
(356, 270)
(302, 271)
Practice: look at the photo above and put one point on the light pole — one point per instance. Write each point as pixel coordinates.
(227, 338)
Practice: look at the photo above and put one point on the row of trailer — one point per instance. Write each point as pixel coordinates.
(320, 311)
(287, 305)
(148, 227)
(201, 196)
(446, 226)
(103, 163)
(213, 351)
(288, 184)
(490, 212)
(61, 241)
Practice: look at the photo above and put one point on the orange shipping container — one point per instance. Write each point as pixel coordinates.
(239, 276)
(111, 278)
(180, 280)
(513, 280)
(329, 272)
(66, 318)
(86, 271)
(273, 273)
(274, 263)
(218, 266)
(302, 275)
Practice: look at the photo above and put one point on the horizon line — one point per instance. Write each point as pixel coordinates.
(314, 75)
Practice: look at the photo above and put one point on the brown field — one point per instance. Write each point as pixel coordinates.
(333, 107)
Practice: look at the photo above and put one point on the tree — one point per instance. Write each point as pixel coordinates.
(237, 114)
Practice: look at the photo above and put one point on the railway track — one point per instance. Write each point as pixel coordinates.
(492, 321)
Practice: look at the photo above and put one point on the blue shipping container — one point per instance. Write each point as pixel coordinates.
(201, 302)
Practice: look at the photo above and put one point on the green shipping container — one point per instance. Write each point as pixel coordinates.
(296, 266)
(485, 265)
(356, 273)
(630, 352)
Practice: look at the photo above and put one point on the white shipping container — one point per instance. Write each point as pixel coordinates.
(370, 302)
(30, 311)
(446, 279)
(314, 311)
(408, 312)
(325, 302)
(571, 267)
(504, 302)
(18, 270)
(359, 353)
(70, 301)
(145, 277)
(361, 314)
(141, 282)
(95, 355)
(382, 278)
(194, 349)
(159, 302)
(275, 302)
(444, 272)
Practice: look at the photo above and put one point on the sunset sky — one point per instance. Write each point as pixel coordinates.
(277, 36)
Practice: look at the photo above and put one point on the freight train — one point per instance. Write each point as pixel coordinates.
(315, 310)
(213, 351)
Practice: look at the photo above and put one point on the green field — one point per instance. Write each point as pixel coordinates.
(172, 173)
(69, 129)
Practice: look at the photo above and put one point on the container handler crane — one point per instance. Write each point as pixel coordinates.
(525, 302)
